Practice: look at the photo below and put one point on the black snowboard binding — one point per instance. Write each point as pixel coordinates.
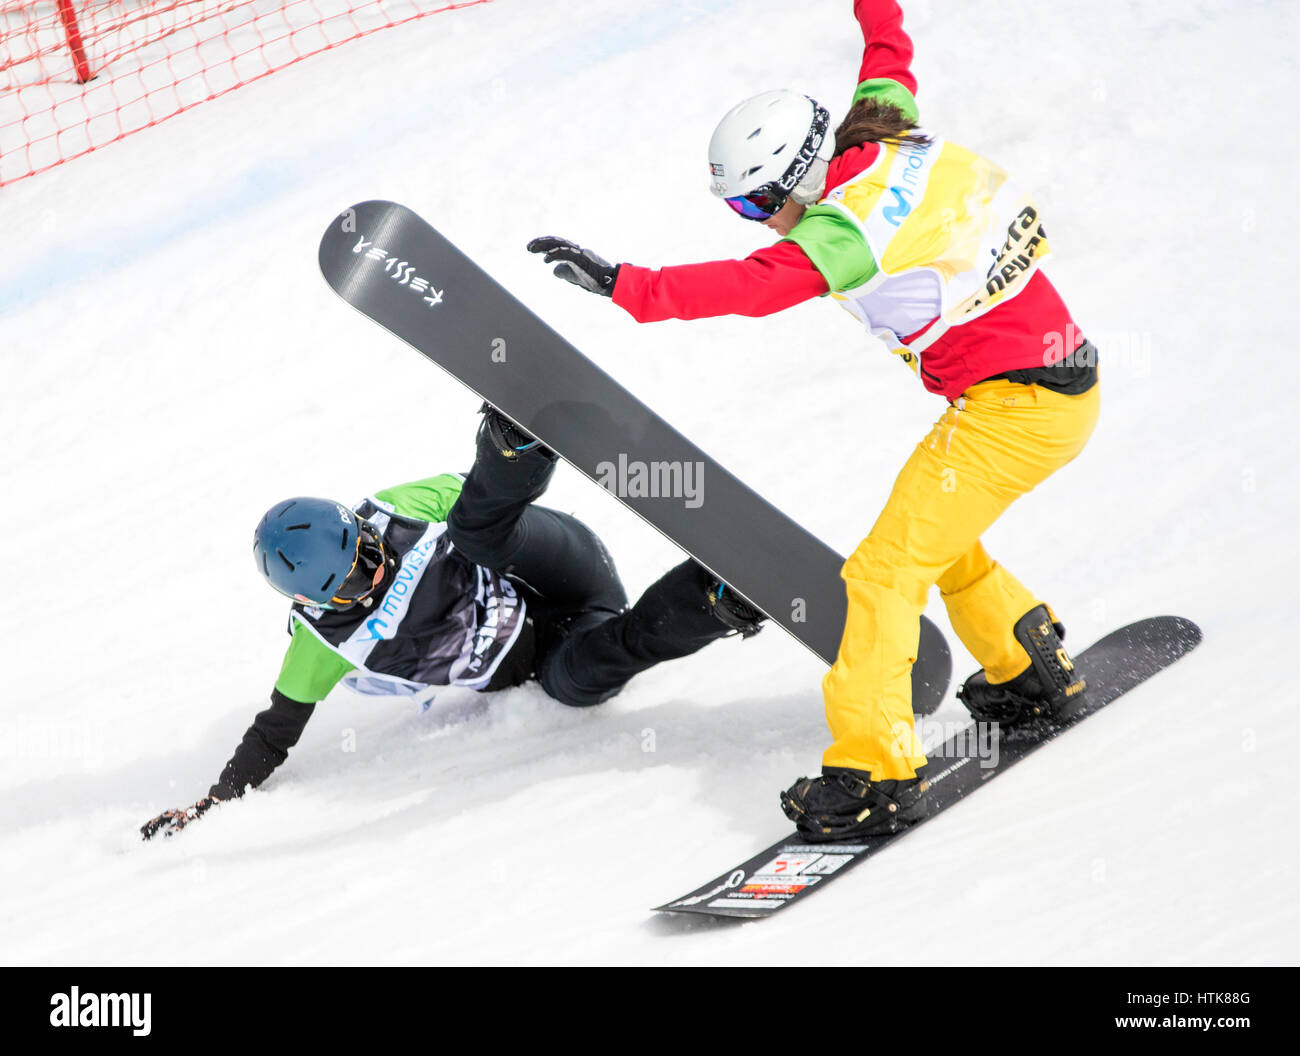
(507, 438)
(734, 610)
(1049, 688)
(845, 804)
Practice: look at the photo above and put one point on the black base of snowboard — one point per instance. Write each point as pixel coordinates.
(792, 868)
(393, 267)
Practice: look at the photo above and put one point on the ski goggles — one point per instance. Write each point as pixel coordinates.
(360, 579)
(762, 204)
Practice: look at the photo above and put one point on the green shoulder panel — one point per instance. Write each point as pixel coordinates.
(427, 500)
(311, 668)
(888, 91)
(836, 246)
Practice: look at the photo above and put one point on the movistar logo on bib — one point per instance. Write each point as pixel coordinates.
(897, 212)
(912, 158)
(397, 599)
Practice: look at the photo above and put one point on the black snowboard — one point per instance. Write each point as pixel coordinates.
(393, 267)
(792, 869)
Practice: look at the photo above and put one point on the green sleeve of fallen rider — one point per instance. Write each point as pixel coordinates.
(310, 669)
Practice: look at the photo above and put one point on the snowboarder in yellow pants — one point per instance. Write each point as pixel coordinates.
(991, 446)
(936, 251)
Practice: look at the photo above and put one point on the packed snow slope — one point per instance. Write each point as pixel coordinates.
(173, 364)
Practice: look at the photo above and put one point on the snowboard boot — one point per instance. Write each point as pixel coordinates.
(1049, 688)
(506, 437)
(591, 658)
(504, 481)
(845, 804)
(733, 610)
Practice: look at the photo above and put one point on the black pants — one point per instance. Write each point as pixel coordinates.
(582, 642)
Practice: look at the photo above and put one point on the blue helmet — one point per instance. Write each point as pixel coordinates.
(318, 552)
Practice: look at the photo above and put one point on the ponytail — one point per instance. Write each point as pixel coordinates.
(873, 121)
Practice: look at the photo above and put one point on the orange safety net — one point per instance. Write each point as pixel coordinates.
(76, 75)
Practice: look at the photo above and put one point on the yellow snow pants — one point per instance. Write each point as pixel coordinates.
(992, 445)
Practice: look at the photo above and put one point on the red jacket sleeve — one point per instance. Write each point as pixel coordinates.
(770, 280)
(888, 49)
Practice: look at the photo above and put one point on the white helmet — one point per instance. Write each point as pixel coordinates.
(774, 142)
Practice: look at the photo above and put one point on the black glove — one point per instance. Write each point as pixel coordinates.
(577, 265)
(170, 822)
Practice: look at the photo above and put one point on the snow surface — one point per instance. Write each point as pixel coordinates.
(173, 364)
